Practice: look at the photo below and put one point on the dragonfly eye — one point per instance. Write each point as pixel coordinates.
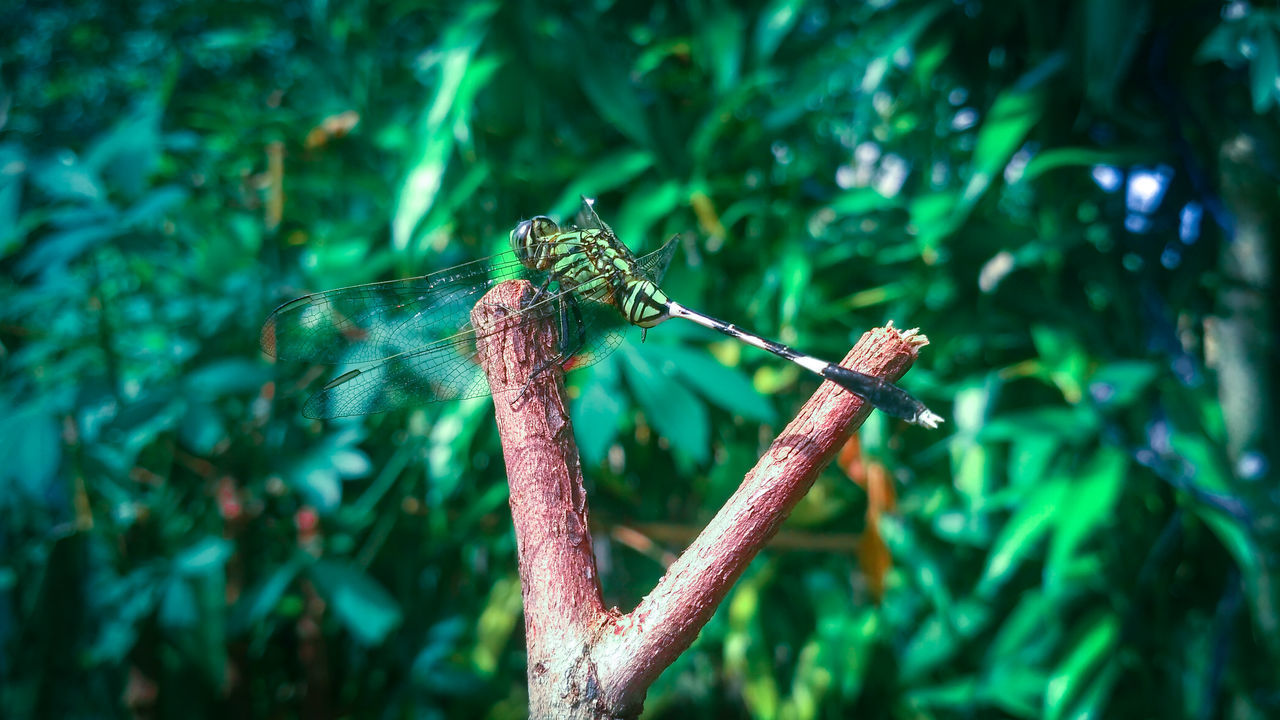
(520, 235)
(543, 227)
(531, 232)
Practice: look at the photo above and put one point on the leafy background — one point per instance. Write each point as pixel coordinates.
(1074, 200)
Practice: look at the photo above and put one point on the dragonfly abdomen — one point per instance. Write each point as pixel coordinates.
(643, 303)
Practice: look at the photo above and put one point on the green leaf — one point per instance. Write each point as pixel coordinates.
(129, 600)
(13, 168)
(202, 428)
(1264, 69)
(1015, 111)
(1248, 552)
(261, 599)
(932, 644)
(722, 385)
(610, 89)
(420, 187)
(1095, 698)
(351, 463)
(451, 437)
(1031, 456)
(1065, 360)
(495, 624)
(1095, 648)
(720, 32)
(178, 605)
(1020, 536)
(361, 604)
(1013, 687)
(432, 670)
(1222, 44)
(1207, 459)
(936, 213)
(227, 376)
(609, 172)
(797, 275)
(956, 695)
(1121, 383)
(67, 181)
(148, 417)
(1115, 29)
(56, 250)
(645, 205)
(862, 201)
(1003, 131)
(128, 153)
(319, 483)
(676, 413)
(153, 205)
(460, 194)
(776, 20)
(1069, 425)
(1087, 506)
(32, 445)
(460, 76)
(441, 642)
(597, 411)
(1074, 157)
(205, 556)
(1029, 633)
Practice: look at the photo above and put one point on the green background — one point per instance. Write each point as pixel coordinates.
(1091, 534)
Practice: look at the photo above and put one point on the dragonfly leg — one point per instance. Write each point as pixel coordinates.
(539, 294)
(568, 348)
(541, 291)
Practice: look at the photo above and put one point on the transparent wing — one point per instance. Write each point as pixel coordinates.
(587, 217)
(606, 331)
(364, 323)
(449, 368)
(655, 264)
(445, 371)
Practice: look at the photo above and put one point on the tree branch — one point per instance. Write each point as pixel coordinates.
(563, 606)
(585, 661)
(640, 645)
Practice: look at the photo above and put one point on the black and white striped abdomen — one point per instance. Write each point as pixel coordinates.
(642, 302)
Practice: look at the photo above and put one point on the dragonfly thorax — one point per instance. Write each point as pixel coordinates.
(593, 262)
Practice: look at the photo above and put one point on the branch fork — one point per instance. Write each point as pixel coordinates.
(586, 661)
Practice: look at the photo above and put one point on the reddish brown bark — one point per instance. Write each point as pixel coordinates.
(563, 606)
(585, 661)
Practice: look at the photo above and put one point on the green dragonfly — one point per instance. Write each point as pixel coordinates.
(413, 342)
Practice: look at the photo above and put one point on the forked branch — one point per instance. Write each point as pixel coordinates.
(589, 662)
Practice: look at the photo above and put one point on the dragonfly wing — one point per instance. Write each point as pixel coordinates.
(605, 332)
(450, 369)
(446, 371)
(587, 217)
(365, 323)
(654, 265)
(602, 326)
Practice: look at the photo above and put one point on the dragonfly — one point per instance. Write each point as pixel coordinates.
(411, 341)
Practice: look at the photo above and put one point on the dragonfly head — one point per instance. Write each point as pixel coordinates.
(529, 234)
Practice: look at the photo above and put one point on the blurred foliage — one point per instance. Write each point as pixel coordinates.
(1038, 185)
